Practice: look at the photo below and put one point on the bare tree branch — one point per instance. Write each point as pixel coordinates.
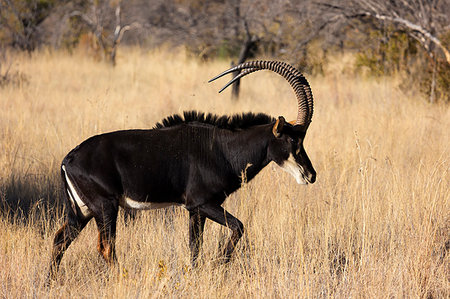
(88, 21)
(413, 27)
(398, 13)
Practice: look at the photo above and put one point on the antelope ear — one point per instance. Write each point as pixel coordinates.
(278, 127)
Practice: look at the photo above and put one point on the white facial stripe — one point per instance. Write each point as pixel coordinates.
(291, 167)
(74, 197)
(141, 205)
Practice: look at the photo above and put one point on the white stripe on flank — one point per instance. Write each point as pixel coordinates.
(76, 200)
(142, 205)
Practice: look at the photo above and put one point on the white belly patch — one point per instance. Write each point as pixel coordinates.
(74, 197)
(127, 202)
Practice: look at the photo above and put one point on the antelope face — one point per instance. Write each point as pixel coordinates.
(288, 152)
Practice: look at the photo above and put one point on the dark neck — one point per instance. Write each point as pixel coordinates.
(247, 150)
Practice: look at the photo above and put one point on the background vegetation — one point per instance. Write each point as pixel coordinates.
(390, 36)
(375, 224)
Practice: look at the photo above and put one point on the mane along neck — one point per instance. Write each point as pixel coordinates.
(233, 122)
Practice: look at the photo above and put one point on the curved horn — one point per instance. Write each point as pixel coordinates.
(297, 81)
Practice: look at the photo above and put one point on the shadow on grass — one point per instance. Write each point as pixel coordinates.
(31, 198)
(37, 199)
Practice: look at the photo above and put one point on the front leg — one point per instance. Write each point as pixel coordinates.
(196, 226)
(218, 214)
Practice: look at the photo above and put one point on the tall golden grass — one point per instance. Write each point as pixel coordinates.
(375, 224)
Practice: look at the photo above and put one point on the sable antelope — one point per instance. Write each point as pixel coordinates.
(194, 161)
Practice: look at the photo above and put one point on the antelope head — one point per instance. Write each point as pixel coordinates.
(286, 147)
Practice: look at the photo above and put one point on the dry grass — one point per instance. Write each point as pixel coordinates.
(375, 224)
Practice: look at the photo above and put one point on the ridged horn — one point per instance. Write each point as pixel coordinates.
(297, 81)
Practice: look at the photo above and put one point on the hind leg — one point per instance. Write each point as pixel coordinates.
(106, 224)
(63, 237)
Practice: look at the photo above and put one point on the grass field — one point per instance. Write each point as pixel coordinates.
(375, 224)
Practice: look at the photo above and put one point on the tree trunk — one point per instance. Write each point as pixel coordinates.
(433, 82)
(245, 53)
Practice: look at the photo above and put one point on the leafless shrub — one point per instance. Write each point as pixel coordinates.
(8, 76)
